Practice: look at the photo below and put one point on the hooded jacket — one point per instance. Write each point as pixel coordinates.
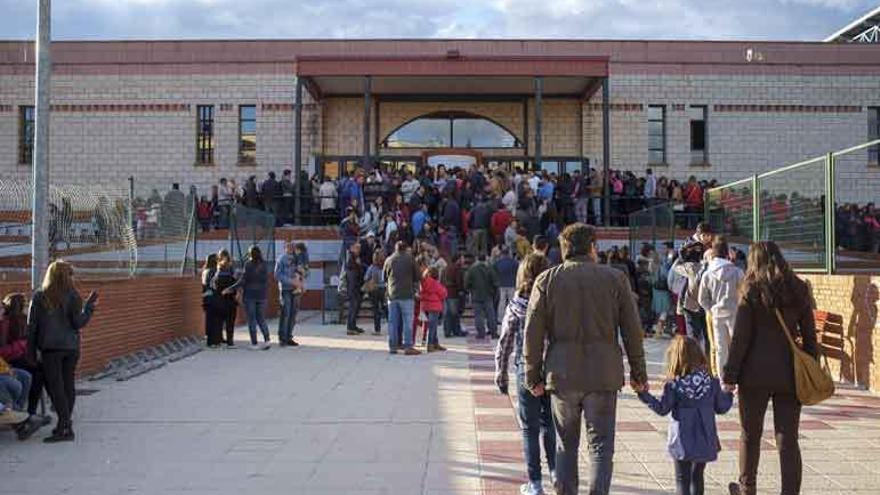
(511, 339)
(693, 400)
(718, 288)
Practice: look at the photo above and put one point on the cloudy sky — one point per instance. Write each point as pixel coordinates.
(624, 19)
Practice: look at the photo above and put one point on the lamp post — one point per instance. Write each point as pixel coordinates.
(40, 196)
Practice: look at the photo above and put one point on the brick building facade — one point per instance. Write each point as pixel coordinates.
(123, 109)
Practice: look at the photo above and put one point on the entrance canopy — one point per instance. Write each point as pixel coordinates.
(452, 74)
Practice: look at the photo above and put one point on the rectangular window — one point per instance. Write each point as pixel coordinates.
(205, 135)
(25, 135)
(247, 133)
(699, 141)
(657, 134)
(873, 134)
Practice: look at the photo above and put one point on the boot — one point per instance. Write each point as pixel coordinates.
(64, 433)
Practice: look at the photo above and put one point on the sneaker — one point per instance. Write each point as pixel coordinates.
(292, 343)
(352, 332)
(531, 488)
(359, 330)
(439, 348)
(410, 351)
(430, 348)
(31, 426)
(266, 346)
(392, 351)
(11, 417)
(254, 347)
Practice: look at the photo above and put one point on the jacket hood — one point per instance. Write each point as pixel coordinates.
(722, 269)
(518, 306)
(694, 386)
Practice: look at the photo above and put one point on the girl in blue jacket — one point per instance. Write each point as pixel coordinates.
(693, 397)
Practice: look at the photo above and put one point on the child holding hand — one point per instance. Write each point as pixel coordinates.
(693, 397)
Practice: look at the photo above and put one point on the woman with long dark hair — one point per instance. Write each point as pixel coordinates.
(254, 284)
(210, 300)
(56, 315)
(761, 364)
(13, 349)
(227, 306)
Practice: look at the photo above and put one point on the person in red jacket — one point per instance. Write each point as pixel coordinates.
(498, 224)
(13, 350)
(432, 296)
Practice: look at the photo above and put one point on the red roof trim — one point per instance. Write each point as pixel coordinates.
(482, 65)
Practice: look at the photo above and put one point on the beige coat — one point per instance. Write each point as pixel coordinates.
(583, 310)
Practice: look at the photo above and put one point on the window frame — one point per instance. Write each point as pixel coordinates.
(873, 134)
(25, 142)
(452, 116)
(704, 159)
(241, 134)
(203, 149)
(662, 122)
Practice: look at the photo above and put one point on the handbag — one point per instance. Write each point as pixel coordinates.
(812, 383)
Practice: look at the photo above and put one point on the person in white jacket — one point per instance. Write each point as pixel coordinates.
(718, 296)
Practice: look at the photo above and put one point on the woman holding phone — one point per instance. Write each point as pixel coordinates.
(56, 315)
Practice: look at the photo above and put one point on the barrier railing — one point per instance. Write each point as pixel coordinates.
(819, 211)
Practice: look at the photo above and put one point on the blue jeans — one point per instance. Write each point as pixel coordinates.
(255, 309)
(484, 310)
(16, 388)
(451, 318)
(536, 422)
(400, 321)
(287, 316)
(433, 321)
(599, 410)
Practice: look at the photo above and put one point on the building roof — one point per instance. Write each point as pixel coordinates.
(865, 29)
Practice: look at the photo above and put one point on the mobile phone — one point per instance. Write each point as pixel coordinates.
(93, 296)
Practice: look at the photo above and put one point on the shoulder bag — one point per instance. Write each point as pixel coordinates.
(812, 383)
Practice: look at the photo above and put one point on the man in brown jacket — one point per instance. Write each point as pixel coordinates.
(577, 308)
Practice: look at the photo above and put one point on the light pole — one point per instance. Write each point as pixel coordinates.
(40, 196)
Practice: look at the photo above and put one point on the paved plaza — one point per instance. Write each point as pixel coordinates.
(339, 415)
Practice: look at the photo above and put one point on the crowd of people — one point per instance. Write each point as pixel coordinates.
(547, 196)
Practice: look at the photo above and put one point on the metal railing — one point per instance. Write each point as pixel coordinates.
(798, 206)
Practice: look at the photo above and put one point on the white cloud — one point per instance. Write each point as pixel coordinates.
(633, 19)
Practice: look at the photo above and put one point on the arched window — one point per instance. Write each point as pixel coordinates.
(451, 130)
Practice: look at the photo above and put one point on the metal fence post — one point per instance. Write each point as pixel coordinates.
(756, 210)
(830, 210)
(40, 197)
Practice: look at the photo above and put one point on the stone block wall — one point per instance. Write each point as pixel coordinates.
(854, 300)
(106, 128)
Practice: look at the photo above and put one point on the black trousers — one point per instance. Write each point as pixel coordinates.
(689, 477)
(214, 321)
(37, 383)
(227, 321)
(786, 422)
(354, 307)
(59, 368)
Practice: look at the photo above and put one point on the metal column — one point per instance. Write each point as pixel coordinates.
(539, 92)
(297, 151)
(367, 162)
(40, 197)
(606, 150)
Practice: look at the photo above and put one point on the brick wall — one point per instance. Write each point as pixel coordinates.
(853, 298)
(107, 128)
(140, 313)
